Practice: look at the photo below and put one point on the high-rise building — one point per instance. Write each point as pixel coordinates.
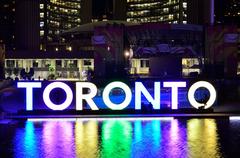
(227, 12)
(7, 24)
(57, 16)
(36, 25)
(169, 11)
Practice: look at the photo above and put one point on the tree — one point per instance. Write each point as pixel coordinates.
(30, 73)
(23, 74)
(16, 71)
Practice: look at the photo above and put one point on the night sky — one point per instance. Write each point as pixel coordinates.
(219, 8)
(99, 7)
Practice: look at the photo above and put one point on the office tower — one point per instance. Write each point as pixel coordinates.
(170, 11)
(7, 24)
(57, 16)
(167, 11)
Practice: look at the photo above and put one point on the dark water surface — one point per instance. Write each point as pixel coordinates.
(121, 138)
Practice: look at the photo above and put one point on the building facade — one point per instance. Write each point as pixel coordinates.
(139, 46)
(57, 16)
(156, 46)
(36, 25)
(7, 24)
(50, 65)
(222, 50)
(118, 47)
(170, 11)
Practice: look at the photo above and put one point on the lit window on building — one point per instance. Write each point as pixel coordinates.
(41, 15)
(59, 63)
(69, 48)
(41, 6)
(49, 39)
(19, 63)
(41, 33)
(165, 10)
(170, 17)
(35, 63)
(73, 63)
(41, 47)
(190, 66)
(63, 39)
(41, 24)
(87, 63)
(46, 63)
(184, 4)
(10, 63)
(144, 63)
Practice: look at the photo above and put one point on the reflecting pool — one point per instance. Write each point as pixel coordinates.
(121, 138)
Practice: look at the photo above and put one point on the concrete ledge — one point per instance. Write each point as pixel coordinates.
(210, 115)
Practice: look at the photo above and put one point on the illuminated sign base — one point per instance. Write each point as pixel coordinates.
(105, 112)
(83, 94)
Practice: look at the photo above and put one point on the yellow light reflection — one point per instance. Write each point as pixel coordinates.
(202, 138)
(86, 139)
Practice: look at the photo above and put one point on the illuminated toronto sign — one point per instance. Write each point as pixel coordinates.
(139, 91)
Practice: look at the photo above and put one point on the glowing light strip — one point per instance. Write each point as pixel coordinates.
(102, 119)
(51, 119)
(127, 119)
(234, 118)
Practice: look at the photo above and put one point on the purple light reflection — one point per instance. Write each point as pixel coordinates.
(58, 139)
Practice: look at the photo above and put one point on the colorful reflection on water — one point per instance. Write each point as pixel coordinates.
(202, 136)
(120, 138)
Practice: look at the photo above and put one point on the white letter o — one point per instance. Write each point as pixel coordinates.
(50, 104)
(108, 102)
(209, 87)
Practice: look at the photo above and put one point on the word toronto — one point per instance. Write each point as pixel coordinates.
(139, 91)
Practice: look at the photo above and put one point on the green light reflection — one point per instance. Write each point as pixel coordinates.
(116, 139)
